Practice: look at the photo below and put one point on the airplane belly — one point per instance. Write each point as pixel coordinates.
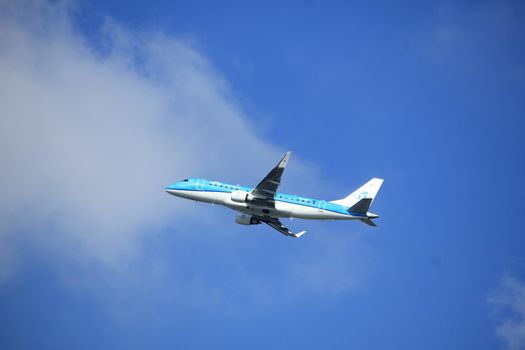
(328, 215)
(306, 212)
(201, 196)
(314, 213)
(252, 208)
(283, 210)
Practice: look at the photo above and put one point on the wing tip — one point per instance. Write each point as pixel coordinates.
(284, 160)
(297, 235)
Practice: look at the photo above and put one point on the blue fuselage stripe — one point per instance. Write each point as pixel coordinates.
(219, 187)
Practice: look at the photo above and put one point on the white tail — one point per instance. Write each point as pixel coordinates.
(368, 190)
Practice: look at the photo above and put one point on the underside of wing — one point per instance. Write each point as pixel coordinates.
(267, 188)
(277, 224)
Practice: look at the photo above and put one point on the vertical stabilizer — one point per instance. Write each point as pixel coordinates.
(368, 190)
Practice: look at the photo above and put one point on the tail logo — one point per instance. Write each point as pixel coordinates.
(362, 195)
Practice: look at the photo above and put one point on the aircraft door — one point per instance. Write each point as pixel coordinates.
(321, 206)
(200, 185)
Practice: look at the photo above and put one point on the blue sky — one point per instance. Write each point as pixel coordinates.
(103, 103)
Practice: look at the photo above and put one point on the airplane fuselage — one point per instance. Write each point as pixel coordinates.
(282, 206)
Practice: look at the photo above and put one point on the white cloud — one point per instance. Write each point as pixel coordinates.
(89, 140)
(90, 137)
(509, 305)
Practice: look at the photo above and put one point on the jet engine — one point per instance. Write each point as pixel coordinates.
(241, 196)
(245, 219)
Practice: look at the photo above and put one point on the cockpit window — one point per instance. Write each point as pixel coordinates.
(185, 180)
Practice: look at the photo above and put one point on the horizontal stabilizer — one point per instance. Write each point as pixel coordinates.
(368, 222)
(361, 207)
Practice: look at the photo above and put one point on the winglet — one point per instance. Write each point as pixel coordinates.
(297, 235)
(284, 161)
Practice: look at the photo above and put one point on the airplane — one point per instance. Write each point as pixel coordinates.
(263, 204)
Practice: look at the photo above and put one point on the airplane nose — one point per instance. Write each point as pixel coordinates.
(171, 189)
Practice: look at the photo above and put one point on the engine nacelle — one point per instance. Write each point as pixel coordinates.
(245, 219)
(240, 196)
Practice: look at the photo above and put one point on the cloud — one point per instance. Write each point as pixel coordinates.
(509, 306)
(90, 136)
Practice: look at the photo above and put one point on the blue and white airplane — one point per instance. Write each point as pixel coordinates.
(264, 204)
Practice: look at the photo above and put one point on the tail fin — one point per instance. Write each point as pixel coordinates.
(368, 191)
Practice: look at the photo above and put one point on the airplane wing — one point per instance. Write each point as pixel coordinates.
(277, 224)
(266, 190)
(268, 186)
